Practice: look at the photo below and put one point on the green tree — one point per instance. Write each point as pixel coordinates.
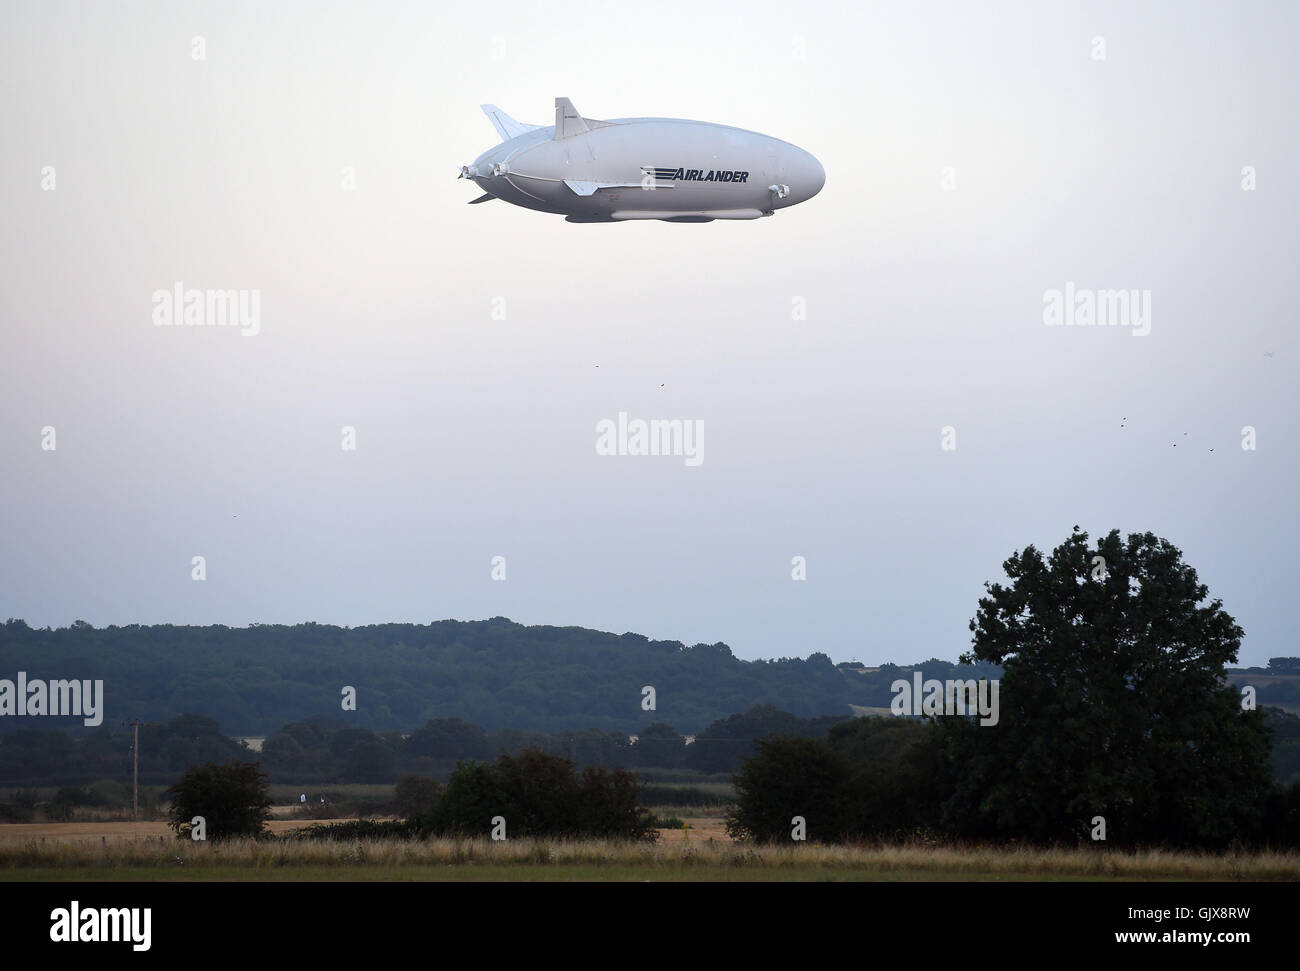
(449, 738)
(1113, 703)
(721, 746)
(469, 801)
(788, 777)
(416, 796)
(897, 783)
(538, 794)
(609, 805)
(369, 760)
(286, 757)
(1286, 745)
(541, 796)
(232, 799)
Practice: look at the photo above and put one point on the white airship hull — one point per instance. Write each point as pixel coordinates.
(642, 168)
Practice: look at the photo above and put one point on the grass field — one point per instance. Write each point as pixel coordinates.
(91, 832)
(536, 873)
(89, 852)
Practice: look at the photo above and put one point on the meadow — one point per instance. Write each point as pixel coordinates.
(679, 855)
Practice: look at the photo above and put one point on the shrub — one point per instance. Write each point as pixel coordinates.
(232, 799)
(416, 795)
(538, 794)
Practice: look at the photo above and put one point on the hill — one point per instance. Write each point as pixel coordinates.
(494, 673)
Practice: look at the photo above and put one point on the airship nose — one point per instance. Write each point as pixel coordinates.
(814, 176)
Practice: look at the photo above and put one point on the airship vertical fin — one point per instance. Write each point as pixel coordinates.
(567, 120)
(506, 126)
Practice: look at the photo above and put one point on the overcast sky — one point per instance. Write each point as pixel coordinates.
(978, 157)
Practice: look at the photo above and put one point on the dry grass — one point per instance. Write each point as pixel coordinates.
(942, 862)
(96, 832)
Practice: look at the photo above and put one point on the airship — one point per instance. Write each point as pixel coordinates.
(593, 171)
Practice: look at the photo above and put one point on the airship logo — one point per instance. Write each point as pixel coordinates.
(694, 175)
(590, 170)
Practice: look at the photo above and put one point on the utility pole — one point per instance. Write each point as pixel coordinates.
(135, 774)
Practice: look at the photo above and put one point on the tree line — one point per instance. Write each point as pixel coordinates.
(493, 673)
(532, 794)
(1118, 725)
(1118, 722)
(327, 750)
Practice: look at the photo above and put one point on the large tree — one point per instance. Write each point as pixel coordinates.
(788, 777)
(1113, 703)
(232, 799)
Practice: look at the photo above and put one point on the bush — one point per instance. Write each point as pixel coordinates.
(538, 794)
(15, 813)
(472, 797)
(898, 781)
(232, 799)
(416, 796)
(69, 798)
(788, 777)
(609, 805)
(110, 792)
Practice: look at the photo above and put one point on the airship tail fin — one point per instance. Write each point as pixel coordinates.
(567, 120)
(506, 126)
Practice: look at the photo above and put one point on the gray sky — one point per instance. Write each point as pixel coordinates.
(977, 157)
